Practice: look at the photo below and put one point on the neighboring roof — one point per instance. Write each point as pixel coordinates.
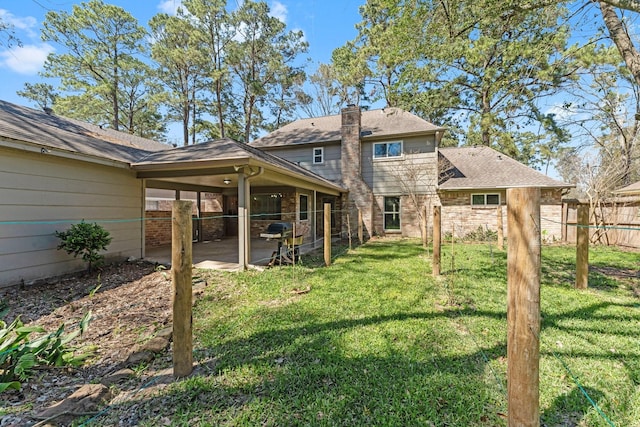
(629, 189)
(482, 167)
(386, 122)
(224, 151)
(24, 124)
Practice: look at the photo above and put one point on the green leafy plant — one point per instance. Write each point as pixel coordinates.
(19, 354)
(86, 240)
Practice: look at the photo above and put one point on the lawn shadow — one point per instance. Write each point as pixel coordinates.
(569, 410)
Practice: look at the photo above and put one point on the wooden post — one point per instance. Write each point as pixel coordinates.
(523, 307)
(360, 227)
(582, 247)
(349, 230)
(425, 229)
(564, 221)
(437, 239)
(181, 276)
(327, 234)
(500, 228)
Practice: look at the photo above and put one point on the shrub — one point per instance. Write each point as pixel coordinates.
(86, 240)
(19, 354)
(481, 235)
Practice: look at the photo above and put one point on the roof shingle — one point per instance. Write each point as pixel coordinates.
(482, 167)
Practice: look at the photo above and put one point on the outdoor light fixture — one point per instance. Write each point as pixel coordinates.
(227, 181)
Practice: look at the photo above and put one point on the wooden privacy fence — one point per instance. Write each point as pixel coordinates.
(614, 222)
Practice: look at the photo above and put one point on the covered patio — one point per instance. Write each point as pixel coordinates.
(223, 254)
(240, 173)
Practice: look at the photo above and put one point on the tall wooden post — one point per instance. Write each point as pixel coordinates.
(582, 247)
(181, 274)
(360, 227)
(327, 234)
(523, 306)
(425, 227)
(500, 228)
(564, 221)
(437, 239)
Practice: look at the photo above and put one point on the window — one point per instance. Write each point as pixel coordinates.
(266, 206)
(304, 207)
(392, 213)
(385, 150)
(318, 155)
(485, 199)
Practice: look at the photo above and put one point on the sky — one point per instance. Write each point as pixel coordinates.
(326, 24)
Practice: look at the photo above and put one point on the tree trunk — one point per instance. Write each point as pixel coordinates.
(620, 36)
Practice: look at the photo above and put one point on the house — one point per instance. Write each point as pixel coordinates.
(392, 165)
(629, 190)
(56, 171)
(386, 158)
(473, 182)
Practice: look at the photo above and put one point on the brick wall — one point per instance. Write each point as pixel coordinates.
(459, 217)
(157, 230)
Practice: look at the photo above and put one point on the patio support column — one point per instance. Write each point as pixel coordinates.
(313, 218)
(243, 221)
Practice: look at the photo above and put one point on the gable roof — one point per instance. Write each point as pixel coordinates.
(629, 189)
(225, 152)
(381, 123)
(22, 124)
(483, 167)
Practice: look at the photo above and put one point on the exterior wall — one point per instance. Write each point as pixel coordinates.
(330, 169)
(42, 194)
(158, 220)
(460, 218)
(415, 171)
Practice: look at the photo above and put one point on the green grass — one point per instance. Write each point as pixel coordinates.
(378, 341)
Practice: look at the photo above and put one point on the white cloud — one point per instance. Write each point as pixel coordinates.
(278, 10)
(169, 6)
(26, 23)
(562, 112)
(27, 59)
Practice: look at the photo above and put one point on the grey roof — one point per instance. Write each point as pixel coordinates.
(483, 168)
(48, 130)
(629, 189)
(386, 122)
(225, 150)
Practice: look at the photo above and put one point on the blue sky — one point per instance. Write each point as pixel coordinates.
(326, 24)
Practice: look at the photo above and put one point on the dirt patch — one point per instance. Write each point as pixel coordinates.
(130, 304)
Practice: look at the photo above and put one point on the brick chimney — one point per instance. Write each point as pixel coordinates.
(351, 157)
(360, 196)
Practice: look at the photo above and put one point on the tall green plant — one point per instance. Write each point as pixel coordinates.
(19, 354)
(86, 240)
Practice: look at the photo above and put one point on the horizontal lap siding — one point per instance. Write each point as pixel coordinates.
(303, 156)
(43, 188)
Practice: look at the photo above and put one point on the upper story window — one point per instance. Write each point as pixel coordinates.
(318, 155)
(385, 150)
(485, 199)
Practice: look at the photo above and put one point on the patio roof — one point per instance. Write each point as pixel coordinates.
(216, 165)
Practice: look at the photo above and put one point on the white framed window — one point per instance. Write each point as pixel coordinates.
(392, 213)
(386, 150)
(485, 199)
(303, 207)
(318, 155)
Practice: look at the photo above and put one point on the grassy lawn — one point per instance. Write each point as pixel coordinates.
(377, 341)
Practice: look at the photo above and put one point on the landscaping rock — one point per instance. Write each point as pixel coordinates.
(85, 400)
(138, 357)
(156, 345)
(117, 377)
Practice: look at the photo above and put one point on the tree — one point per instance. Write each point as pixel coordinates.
(213, 23)
(482, 63)
(101, 43)
(43, 94)
(261, 57)
(326, 95)
(181, 66)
